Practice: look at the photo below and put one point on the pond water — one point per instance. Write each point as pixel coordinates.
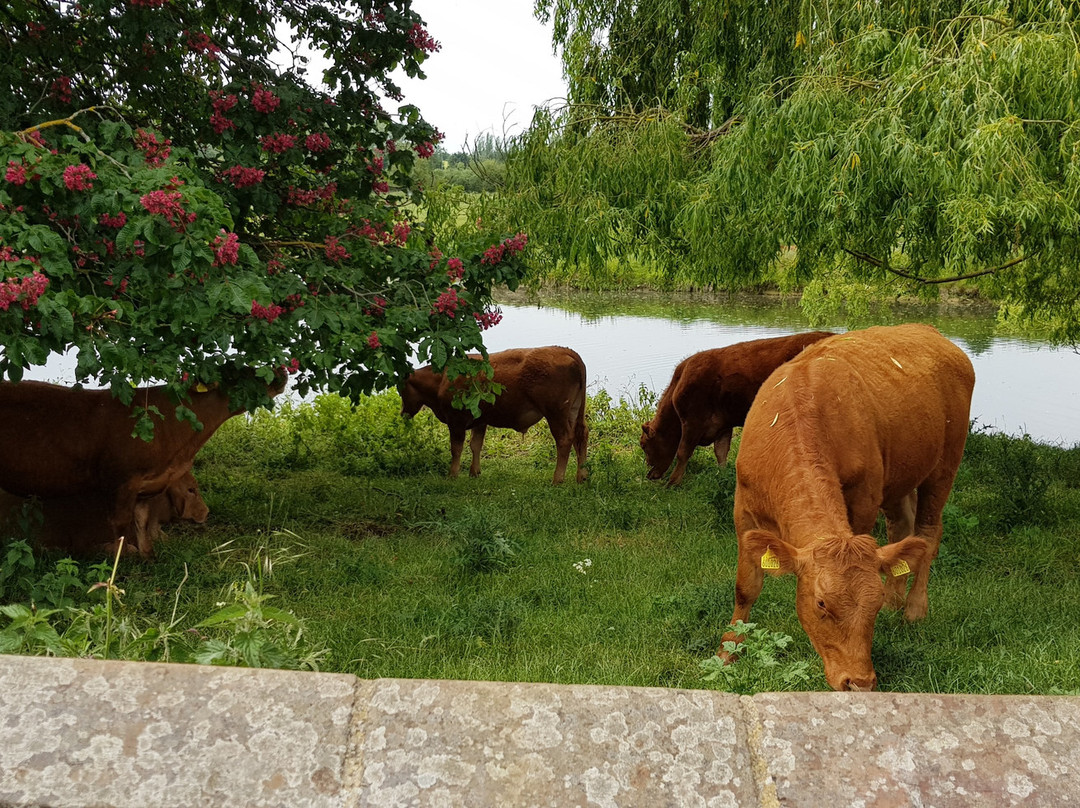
(1022, 386)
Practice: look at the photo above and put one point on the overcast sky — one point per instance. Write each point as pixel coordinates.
(495, 65)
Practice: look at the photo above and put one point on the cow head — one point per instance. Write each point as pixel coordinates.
(185, 500)
(839, 594)
(658, 454)
(412, 401)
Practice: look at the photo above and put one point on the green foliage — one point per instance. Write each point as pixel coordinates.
(1020, 473)
(179, 208)
(485, 544)
(760, 655)
(887, 147)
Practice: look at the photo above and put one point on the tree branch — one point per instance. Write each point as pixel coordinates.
(877, 262)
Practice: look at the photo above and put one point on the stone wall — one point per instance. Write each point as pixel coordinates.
(88, 733)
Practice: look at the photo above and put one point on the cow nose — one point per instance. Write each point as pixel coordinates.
(861, 684)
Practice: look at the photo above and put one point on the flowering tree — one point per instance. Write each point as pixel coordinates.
(178, 207)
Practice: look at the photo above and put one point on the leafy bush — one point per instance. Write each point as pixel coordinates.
(483, 544)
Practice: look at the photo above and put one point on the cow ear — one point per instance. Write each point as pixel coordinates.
(646, 428)
(902, 557)
(769, 552)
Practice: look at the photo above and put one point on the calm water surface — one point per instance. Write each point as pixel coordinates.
(1022, 386)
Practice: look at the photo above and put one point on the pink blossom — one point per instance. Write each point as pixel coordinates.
(24, 291)
(274, 266)
(334, 250)
(156, 152)
(277, 143)
(79, 177)
(378, 308)
(60, 89)
(489, 318)
(373, 340)
(436, 256)
(220, 104)
(16, 173)
(201, 43)
(292, 367)
(425, 149)
(401, 233)
(268, 313)
(243, 177)
(447, 303)
(264, 101)
(455, 269)
(226, 249)
(168, 204)
(317, 142)
(507, 249)
(117, 221)
(381, 187)
(422, 40)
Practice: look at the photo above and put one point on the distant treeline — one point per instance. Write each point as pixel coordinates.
(480, 166)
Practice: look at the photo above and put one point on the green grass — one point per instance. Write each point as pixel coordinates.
(348, 520)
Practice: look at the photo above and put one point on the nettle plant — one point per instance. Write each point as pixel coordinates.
(178, 208)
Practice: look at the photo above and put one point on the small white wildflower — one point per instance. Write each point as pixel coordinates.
(583, 565)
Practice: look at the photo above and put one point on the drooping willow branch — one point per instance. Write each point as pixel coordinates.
(877, 262)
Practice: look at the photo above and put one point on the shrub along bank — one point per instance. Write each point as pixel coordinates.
(337, 542)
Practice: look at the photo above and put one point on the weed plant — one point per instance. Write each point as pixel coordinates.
(337, 541)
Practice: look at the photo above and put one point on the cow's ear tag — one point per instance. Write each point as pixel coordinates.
(770, 561)
(900, 568)
(201, 388)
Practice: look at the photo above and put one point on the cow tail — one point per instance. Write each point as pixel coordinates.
(581, 429)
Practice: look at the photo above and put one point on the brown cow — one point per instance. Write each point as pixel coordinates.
(79, 524)
(537, 383)
(861, 422)
(709, 395)
(62, 441)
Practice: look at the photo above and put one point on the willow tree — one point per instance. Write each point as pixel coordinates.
(899, 145)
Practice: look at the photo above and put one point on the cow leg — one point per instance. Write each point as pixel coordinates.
(721, 447)
(932, 497)
(564, 439)
(477, 445)
(581, 448)
(690, 440)
(748, 582)
(457, 443)
(899, 523)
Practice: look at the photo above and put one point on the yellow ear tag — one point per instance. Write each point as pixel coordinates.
(770, 561)
(201, 388)
(900, 568)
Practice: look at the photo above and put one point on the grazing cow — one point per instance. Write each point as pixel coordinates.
(537, 383)
(861, 422)
(709, 395)
(79, 524)
(62, 441)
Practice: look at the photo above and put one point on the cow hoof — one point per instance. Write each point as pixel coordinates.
(915, 611)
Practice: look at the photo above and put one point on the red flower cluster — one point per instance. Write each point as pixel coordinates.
(201, 43)
(60, 89)
(422, 39)
(79, 177)
(274, 266)
(149, 3)
(261, 312)
(381, 187)
(425, 149)
(117, 221)
(226, 249)
(220, 104)
(301, 198)
(167, 204)
(24, 291)
(334, 250)
(317, 142)
(375, 166)
(509, 248)
(277, 143)
(373, 340)
(156, 152)
(447, 303)
(264, 101)
(16, 173)
(401, 233)
(242, 177)
(292, 367)
(489, 318)
(378, 309)
(436, 256)
(455, 269)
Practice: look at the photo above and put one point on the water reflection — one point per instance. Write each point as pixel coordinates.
(1022, 386)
